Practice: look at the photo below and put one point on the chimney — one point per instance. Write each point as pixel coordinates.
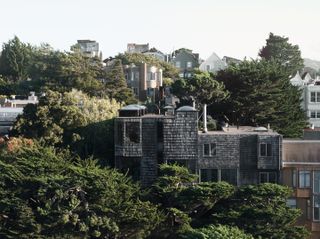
(205, 129)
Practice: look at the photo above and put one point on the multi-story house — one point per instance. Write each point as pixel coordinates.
(236, 155)
(310, 97)
(145, 81)
(11, 108)
(88, 48)
(185, 60)
(301, 172)
(156, 54)
(137, 48)
(213, 64)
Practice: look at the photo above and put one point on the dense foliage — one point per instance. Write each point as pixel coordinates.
(169, 71)
(261, 94)
(47, 194)
(72, 119)
(27, 68)
(201, 87)
(279, 49)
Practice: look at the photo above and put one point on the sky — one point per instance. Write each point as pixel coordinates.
(236, 28)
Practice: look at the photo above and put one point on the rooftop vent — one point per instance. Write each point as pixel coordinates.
(260, 129)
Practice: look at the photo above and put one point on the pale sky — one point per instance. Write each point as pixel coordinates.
(236, 28)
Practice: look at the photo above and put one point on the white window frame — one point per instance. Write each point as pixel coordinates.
(212, 147)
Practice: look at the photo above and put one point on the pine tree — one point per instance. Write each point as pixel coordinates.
(261, 94)
(116, 85)
(287, 55)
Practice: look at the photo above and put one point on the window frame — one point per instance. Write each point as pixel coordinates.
(267, 149)
(305, 185)
(212, 149)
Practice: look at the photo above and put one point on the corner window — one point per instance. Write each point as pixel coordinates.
(267, 177)
(304, 179)
(209, 149)
(265, 149)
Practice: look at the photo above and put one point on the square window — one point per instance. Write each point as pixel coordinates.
(189, 64)
(292, 202)
(318, 96)
(178, 64)
(312, 114)
(265, 149)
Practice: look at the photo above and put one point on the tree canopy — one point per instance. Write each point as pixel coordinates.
(261, 94)
(201, 87)
(72, 119)
(287, 55)
(50, 194)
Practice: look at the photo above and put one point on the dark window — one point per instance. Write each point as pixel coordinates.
(133, 131)
(213, 149)
(229, 175)
(206, 150)
(265, 149)
(160, 131)
(267, 177)
(208, 175)
(119, 134)
(209, 149)
(312, 96)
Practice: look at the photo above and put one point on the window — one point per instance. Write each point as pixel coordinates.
(229, 175)
(315, 114)
(206, 149)
(209, 149)
(209, 175)
(294, 178)
(189, 64)
(316, 182)
(135, 90)
(304, 179)
(292, 202)
(178, 64)
(316, 208)
(314, 96)
(265, 149)
(133, 132)
(208, 67)
(267, 177)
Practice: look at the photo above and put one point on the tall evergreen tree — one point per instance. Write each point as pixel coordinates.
(116, 85)
(287, 55)
(261, 94)
(15, 59)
